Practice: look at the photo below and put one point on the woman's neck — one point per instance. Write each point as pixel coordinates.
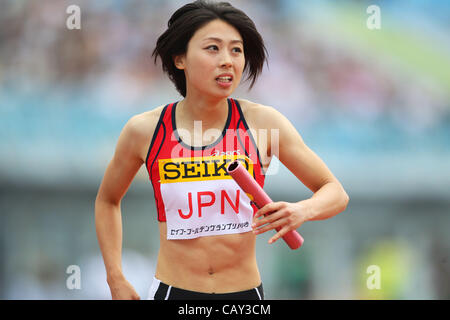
(209, 111)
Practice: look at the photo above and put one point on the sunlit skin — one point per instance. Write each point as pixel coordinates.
(223, 263)
(215, 49)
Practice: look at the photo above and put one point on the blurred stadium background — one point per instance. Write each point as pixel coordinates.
(373, 104)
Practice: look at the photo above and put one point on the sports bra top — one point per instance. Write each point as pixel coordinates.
(193, 192)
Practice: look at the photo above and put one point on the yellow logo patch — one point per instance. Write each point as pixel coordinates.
(199, 168)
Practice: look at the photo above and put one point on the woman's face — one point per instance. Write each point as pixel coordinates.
(214, 50)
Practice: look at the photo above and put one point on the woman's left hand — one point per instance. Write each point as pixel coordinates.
(286, 216)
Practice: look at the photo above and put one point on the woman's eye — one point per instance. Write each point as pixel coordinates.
(212, 46)
(237, 49)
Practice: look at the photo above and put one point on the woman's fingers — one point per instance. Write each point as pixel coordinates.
(271, 221)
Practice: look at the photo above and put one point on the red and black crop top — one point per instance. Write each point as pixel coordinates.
(193, 192)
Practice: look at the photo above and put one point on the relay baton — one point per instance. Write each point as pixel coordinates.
(260, 198)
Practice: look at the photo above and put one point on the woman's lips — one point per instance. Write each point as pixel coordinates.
(224, 83)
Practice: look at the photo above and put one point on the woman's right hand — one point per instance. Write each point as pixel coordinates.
(122, 290)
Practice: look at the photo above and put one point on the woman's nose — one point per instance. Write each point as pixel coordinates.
(226, 60)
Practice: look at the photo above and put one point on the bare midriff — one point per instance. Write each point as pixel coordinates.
(212, 264)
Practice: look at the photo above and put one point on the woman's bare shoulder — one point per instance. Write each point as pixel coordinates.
(146, 121)
(256, 114)
(142, 127)
(146, 118)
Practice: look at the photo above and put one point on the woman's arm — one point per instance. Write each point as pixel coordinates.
(329, 196)
(108, 218)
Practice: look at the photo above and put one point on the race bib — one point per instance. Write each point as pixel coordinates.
(201, 199)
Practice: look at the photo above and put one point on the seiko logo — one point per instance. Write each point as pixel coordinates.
(199, 168)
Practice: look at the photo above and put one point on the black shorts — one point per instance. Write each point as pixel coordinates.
(161, 291)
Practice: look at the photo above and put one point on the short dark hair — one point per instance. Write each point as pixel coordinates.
(191, 17)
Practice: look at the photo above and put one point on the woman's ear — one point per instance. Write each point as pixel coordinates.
(179, 61)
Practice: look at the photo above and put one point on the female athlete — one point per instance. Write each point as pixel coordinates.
(207, 225)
